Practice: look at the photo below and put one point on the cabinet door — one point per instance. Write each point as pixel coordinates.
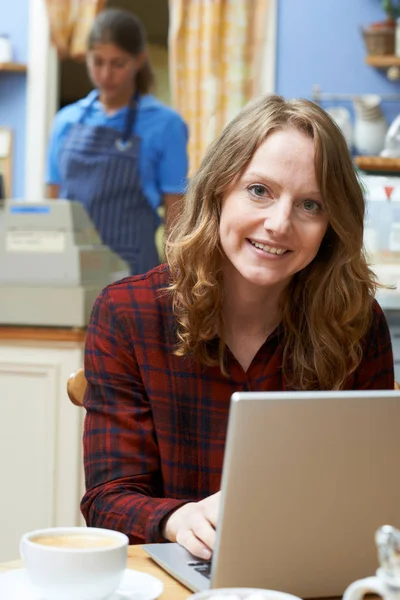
(40, 442)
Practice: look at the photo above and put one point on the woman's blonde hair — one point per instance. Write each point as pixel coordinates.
(327, 308)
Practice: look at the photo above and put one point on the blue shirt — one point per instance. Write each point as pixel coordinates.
(163, 161)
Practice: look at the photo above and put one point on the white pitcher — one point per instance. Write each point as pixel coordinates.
(370, 126)
(386, 583)
(342, 118)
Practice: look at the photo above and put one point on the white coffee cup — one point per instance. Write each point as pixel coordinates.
(79, 563)
(242, 594)
(379, 585)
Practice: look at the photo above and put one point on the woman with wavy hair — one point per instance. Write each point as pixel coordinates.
(266, 287)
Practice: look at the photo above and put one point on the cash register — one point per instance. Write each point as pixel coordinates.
(53, 264)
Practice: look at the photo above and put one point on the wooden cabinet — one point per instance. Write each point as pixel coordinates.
(40, 436)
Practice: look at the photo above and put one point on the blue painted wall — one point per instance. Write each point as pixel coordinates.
(319, 42)
(14, 22)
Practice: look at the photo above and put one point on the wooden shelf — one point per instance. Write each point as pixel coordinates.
(378, 164)
(13, 67)
(383, 62)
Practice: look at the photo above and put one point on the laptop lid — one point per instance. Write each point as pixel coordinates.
(308, 477)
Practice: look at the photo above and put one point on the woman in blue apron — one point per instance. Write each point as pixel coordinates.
(120, 151)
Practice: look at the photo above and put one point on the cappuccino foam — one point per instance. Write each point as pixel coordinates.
(75, 541)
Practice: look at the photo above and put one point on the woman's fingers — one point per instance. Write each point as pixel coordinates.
(210, 507)
(188, 540)
(193, 526)
(204, 531)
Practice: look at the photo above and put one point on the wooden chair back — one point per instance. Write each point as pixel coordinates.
(76, 386)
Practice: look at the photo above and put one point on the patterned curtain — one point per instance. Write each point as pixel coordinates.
(216, 49)
(70, 22)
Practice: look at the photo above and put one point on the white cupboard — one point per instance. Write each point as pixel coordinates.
(40, 437)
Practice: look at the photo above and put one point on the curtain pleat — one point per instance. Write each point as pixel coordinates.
(70, 22)
(215, 51)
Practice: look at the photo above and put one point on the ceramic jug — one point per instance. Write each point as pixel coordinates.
(342, 118)
(370, 126)
(386, 583)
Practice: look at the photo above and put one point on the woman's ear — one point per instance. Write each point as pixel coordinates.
(141, 59)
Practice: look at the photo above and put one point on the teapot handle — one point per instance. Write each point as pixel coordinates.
(359, 589)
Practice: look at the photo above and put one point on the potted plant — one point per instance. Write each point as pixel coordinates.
(392, 9)
(379, 37)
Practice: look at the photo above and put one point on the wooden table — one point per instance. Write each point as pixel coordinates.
(140, 561)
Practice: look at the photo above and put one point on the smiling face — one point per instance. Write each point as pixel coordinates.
(112, 71)
(273, 219)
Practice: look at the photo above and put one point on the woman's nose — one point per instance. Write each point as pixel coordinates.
(106, 72)
(278, 218)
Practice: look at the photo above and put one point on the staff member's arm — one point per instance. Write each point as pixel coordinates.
(173, 167)
(52, 191)
(56, 141)
(172, 203)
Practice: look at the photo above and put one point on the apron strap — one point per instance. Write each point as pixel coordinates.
(124, 142)
(130, 117)
(87, 108)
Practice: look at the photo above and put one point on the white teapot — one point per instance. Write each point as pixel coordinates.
(386, 583)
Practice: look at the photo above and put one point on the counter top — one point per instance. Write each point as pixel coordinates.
(42, 334)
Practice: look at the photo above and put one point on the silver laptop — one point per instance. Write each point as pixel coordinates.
(308, 477)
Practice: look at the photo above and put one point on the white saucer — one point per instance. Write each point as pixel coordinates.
(15, 585)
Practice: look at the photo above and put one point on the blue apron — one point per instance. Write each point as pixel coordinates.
(100, 168)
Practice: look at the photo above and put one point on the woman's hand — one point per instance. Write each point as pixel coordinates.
(193, 526)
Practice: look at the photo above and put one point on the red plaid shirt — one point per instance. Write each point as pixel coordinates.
(156, 423)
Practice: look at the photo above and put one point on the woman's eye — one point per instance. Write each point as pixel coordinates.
(312, 205)
(258, 190)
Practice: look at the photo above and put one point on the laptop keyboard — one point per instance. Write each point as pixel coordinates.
(202, 567)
